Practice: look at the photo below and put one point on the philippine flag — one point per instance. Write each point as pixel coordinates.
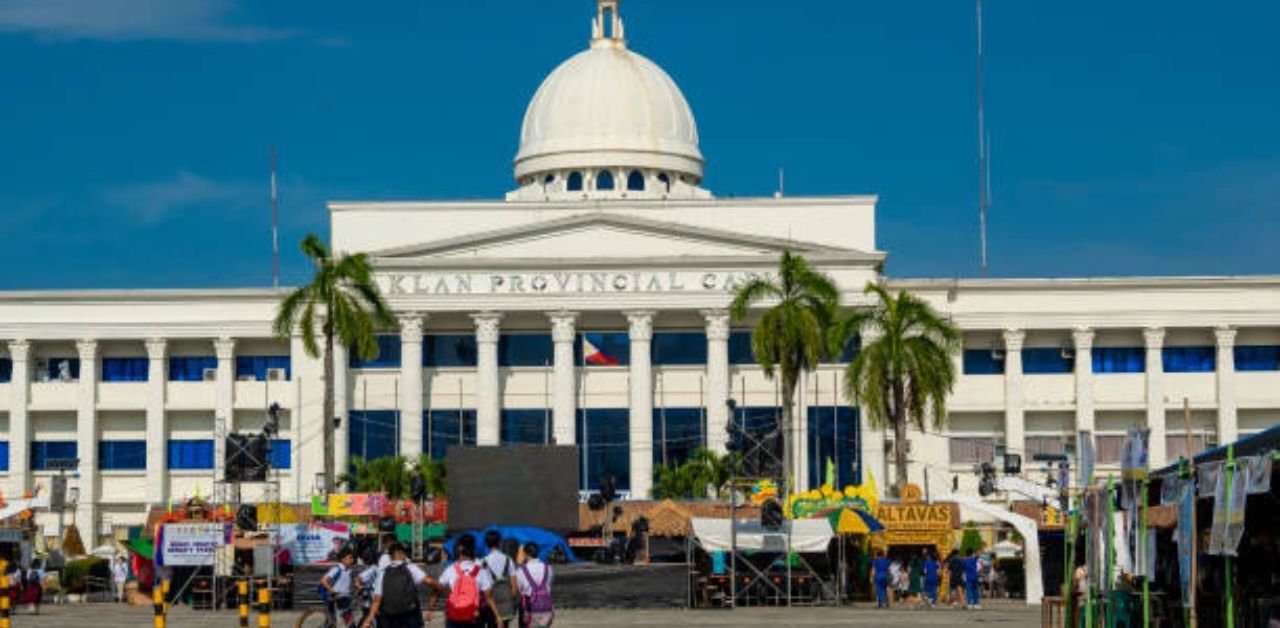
(593, 355)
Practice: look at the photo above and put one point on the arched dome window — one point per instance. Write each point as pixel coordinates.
(574, 184)
(635, 181)
(666, 181)
(604, 180)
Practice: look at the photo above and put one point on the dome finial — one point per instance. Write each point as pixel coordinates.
(606, 28)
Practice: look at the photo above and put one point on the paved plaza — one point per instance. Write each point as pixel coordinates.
(1003, 615)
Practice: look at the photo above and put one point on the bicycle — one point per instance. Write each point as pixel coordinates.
(320, 617)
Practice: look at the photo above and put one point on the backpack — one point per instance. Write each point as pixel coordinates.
(502, 597)
(323, 592)
(539, 598)
(463, 604)
(399, 594)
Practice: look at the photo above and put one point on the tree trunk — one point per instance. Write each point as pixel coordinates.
(899, 440)
(790, 457)
(328, 413)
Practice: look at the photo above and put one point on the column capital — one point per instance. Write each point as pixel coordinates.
(411, 324)
(19, 350)
(717, 324)
(1226, 336)
(1154, 337)
(488, 326)
(1082, 338)
(1013, 339)
(563, 325)
(641, 324)
(224, 348)
(87, 348)
(157, 348)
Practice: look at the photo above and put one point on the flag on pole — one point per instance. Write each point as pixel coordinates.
(831, 473)
(593, 354)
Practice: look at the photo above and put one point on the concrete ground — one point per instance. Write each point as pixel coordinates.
(1004, 615)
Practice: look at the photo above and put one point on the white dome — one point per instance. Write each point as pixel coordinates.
(608, 107)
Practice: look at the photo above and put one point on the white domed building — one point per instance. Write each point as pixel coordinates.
(588, 307)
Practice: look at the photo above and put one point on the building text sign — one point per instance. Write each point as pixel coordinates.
(915, 516)
(562, 282)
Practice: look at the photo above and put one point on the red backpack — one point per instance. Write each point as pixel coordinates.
(463, 604)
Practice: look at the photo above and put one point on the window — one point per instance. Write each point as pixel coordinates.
(1042, 361)
(4, 455)
(834, 436)
(665, 181)
(847, 353)
(190, 454)
(526, 426)
(604, 180)
(574, 184)
(1044, 446)
(983, 361)
(635, 181)
(190, 368)
(679, 347)
(740, 348)
(677, 432)
(972, 449)
(59, 370)
(525, 350)
(1108, 448)
(604, 446)
(448, 428)
(256, 366)
(124, 369)
(448, 350)
(1188, 359)
(44, 451)
(388, 354)
(6, 370)
(1247, 358)
(547, 181)
(755, 420)
(1175, 445)
(604, 349)
(122, 455)
(1119, 359)
(373, 434)
(281, 454)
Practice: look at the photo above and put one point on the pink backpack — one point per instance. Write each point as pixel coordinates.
(463, 604)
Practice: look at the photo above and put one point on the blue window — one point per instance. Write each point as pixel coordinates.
(755, 420)
(388, 355)
(190, 368)
(61, 370)
(604, 180)
(446, 350)
(740, 348)
(122, 455)
(526, 426)
(4, 455)
(635, 181)
(1248, 358)
(1043, 360)
(257, 365)
(677, 432)
(281, 453)
(373, 434)
(190, 454)
(42, 451)
(604, 349)
(665, 181)
(525, 350)
(574, 183)
(847, 352)
(6, 370)
(679, 347)
(124, 369)
(834, 435)
(983, 361)
(1119, 359)
(448, 428)
(604, 446)
(1188, 359)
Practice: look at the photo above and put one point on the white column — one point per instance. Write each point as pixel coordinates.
(157, 430)
(1154, 338)
(641, 384)
(1083, 339)
(411, 385)
(19, 418)
(1228, 429)
(87, 440)
(488, 388)
(223, 401)
(341, 405)
(1014, 416)
(565, 397)
(717, 390)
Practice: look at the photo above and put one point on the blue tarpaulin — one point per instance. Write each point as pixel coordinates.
(546, 540)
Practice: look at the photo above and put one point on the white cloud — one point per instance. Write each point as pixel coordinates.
(154, 201)
(132, 20)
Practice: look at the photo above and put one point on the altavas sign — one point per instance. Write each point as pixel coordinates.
(915, 516)
(562, 282)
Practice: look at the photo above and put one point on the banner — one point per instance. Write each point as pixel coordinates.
(1084, 450)
(1218, 532)
(191, 544)
(307, 544)
(1134, 454)
(357, 504)
(1186, 538)
(1259, 473)
(1234, 527)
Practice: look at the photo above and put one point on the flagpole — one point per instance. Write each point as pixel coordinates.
(1195, 541)
(275, 225)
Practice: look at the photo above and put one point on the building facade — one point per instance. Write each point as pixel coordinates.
(588, 308)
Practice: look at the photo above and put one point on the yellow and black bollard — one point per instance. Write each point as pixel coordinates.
(165, 598)
(242, 596)
(5, 602)
(264, 606)
(157, 602)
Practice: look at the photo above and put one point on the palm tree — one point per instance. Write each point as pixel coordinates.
(343, 303)
(691, 478)
(790, 336)
(388, 474)
(905, 373)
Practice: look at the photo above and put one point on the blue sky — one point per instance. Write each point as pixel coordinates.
(1129, 138)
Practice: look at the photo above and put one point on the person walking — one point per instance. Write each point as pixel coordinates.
(336, 584)
(469, 585)
(880, 566)
(119, 576)
(915, 587)
(955, 577)
(931, 573)
(501, 569)
(972, 582)
(395, 592)
(533, 580)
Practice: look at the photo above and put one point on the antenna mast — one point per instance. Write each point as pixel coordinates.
(275, 225)
(982, 154)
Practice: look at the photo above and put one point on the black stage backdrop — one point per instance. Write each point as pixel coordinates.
(519, 485)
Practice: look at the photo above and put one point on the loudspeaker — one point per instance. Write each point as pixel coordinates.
(1012, 464)
(608, 489)
(386, 524)
(247, 517)
(417, 487)
(640, 525)
(595, 502)
(771, 516)
(246, 458)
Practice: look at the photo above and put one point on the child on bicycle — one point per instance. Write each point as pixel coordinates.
(335, 586)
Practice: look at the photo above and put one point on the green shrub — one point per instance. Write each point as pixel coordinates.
(76, 573)
(971, 540)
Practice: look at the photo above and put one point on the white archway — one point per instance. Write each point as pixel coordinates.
(1030, 536)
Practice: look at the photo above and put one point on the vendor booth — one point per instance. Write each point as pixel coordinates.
(743, 563)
